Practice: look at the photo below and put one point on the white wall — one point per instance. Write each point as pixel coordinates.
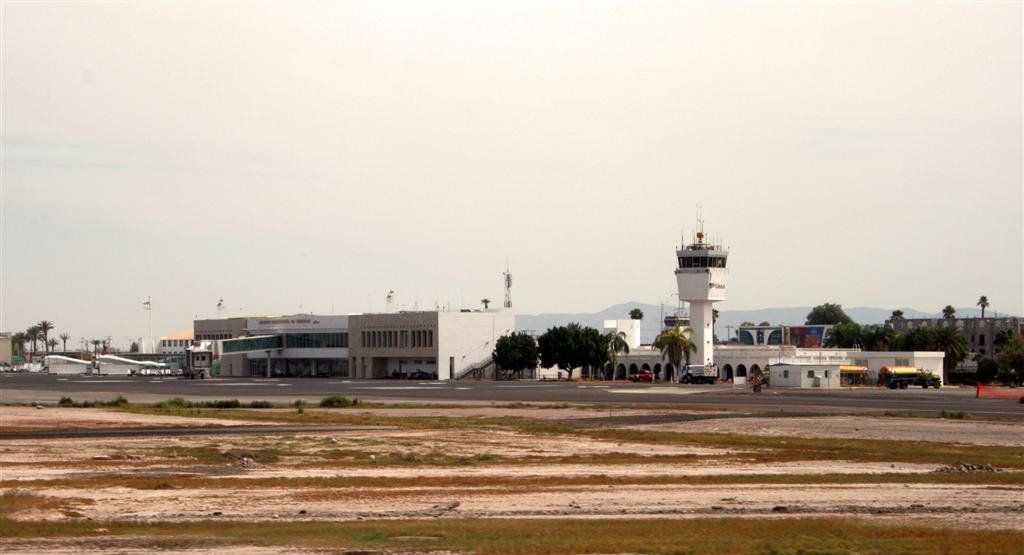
(826, 376)
(468, 337)
(626, 326)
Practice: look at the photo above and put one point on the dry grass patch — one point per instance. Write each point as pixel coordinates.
(551, 536)
(526, 483)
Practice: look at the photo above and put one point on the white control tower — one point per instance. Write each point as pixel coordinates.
(702, 278)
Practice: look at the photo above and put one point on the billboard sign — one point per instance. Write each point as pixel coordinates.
(807, 337)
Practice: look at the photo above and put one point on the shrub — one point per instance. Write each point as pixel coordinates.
(958, 415)
(336, 402)
(66, 402)
(223, 404)
(261, 405)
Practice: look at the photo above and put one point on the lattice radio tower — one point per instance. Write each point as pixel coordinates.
(508, 286)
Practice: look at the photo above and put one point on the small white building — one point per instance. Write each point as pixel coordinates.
(803, 375)
(57, 364)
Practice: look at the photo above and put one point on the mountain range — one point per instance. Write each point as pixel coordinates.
(650, 325)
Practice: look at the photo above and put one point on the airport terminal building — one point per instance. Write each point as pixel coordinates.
(420, 345)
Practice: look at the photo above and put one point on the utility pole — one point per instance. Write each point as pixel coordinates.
(148, 307)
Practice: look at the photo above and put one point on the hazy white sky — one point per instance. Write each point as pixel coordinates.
(321, 154)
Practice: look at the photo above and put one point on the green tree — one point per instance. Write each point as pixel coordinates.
(34, 335)
(571, 347)
(949, 312)
(765, 323)
(896, 315)
(64, 340)
(747, 324)
(828, 313)
(636, 314)
(45, 327)
(1002, 337)
(950, 341)
(675, 345)
(876, 337)
(987, 370)
(1011, 361)
(983, 303)
(516, 352)
(844, 335)
(616, 343)
(18, 340)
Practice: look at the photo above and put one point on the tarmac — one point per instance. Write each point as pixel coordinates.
(46, 388)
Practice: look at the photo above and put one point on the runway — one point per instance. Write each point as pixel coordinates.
(23, 388)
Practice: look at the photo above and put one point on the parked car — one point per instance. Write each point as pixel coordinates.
(642, 377)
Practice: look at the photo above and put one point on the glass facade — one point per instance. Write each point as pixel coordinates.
(252, 344)
(300, 368)
(337, 340)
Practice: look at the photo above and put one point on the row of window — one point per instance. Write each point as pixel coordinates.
(175, 342)
(252, 344)
(397, 339)
(702, 262)
(213, 336)
(337, 340)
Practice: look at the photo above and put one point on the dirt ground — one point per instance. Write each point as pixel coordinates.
(427, 460)
(51, 418)
(859, 427)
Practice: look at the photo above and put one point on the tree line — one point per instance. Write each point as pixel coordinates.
(574, 346)
(39, 333)
(1007, 364)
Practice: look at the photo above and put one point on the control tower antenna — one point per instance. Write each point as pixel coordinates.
(508, 285)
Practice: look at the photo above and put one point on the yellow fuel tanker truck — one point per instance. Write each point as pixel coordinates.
(901, 377)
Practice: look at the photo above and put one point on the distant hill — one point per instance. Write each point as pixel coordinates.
(650, 326)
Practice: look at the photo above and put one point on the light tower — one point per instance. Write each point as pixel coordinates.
(702, 277)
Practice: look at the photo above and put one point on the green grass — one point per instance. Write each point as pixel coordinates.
(546, 536)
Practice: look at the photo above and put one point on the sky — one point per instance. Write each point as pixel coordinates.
(310, 157)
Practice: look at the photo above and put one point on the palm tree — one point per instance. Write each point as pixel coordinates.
(52, 343)
(714, 322)
(18, 340)
(949, 312)
(95, 347)
(485, 301)
(34, 335)
(64, 339)
(675, 345)
(45, 327)
(896, 315)
(951, 342)
(983, 303)
(616, 344)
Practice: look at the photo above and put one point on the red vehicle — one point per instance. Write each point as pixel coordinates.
(642, 377)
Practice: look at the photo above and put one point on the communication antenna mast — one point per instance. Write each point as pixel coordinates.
(220, 306)
(508, 286)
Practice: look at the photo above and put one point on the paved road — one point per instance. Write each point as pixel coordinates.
(49, 388)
